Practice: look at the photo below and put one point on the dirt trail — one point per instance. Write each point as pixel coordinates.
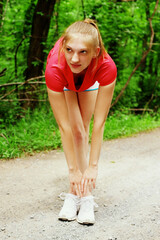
(128, 194)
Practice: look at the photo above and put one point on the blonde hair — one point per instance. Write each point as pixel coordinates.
(87, 27)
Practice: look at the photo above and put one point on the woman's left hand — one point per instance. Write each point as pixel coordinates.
(89, 179)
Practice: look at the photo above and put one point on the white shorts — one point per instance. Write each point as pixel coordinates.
(95, 86)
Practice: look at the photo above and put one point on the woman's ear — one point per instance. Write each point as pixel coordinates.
(96, 53)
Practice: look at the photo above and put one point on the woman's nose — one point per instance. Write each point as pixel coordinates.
(75, 58)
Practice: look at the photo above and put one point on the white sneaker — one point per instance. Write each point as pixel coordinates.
(70, 207)
(86, 212)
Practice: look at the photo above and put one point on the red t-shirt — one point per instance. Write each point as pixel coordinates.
(59, 75)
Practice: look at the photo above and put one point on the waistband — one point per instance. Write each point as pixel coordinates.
(95, 86)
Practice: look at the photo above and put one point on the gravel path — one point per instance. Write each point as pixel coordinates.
(127, 191)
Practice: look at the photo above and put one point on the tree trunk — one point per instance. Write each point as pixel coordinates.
(56, 12)
(40, 26)
(35, 61)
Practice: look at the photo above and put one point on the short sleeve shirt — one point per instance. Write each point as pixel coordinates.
(59, 75)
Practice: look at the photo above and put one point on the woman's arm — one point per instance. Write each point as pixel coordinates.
(103, 103)
(102, 107)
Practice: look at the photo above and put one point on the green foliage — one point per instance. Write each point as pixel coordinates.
(125, 31)
(13, 29)
(35, 132)
(38, 131)
(123, 124)
(126, 34)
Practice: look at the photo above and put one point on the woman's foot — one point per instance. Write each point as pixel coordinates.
(86, 212)
(70, 207)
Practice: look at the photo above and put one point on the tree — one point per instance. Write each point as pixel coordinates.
(35, 60)
(40, 26)
(125, 30)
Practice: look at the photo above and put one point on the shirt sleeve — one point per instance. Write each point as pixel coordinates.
(107, 73)
(54, 79)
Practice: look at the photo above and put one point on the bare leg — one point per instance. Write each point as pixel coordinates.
(80, 108)
(73, 113)
(87, 102)
(59, 107)
(78, 130)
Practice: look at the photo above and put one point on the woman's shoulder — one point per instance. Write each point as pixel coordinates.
(106, 60)
(54, 54)
(106, 64)
(107, 70)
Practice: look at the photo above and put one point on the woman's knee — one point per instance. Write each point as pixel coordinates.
(64, 127)
(86, 127)
(79, 133)
(99, 124)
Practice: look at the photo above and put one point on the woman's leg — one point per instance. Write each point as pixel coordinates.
(77, 127)
(59, 107)
(87, 102)
(73, 113)
(80, 109)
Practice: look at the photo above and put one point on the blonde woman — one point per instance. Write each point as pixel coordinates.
(80, 78)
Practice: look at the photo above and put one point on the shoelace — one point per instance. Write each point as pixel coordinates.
(79, 201)
(89, 202)
(64, 196)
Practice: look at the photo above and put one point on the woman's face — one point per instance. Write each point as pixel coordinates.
(78, 53)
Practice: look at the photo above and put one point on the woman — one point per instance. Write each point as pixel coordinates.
(80, 78)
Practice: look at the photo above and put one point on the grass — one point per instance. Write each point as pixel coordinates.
(125, 125)
(38, 131)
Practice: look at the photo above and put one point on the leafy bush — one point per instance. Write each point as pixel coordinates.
(38, 131)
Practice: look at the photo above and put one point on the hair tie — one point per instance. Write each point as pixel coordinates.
(92, 24)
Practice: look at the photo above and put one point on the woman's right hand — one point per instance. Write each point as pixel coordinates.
(75, 177)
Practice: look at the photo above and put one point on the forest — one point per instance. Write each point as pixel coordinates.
(130, 31)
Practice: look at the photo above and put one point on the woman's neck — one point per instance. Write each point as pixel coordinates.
(81, 74)
(78, 78)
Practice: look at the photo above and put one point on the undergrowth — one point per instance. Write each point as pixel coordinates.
(38, 131)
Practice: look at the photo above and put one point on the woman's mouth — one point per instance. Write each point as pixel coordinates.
(75, 65)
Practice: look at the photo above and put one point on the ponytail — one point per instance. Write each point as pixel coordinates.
(101, 45)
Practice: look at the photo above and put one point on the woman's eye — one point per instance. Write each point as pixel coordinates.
(68, 49)
(84, 51)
